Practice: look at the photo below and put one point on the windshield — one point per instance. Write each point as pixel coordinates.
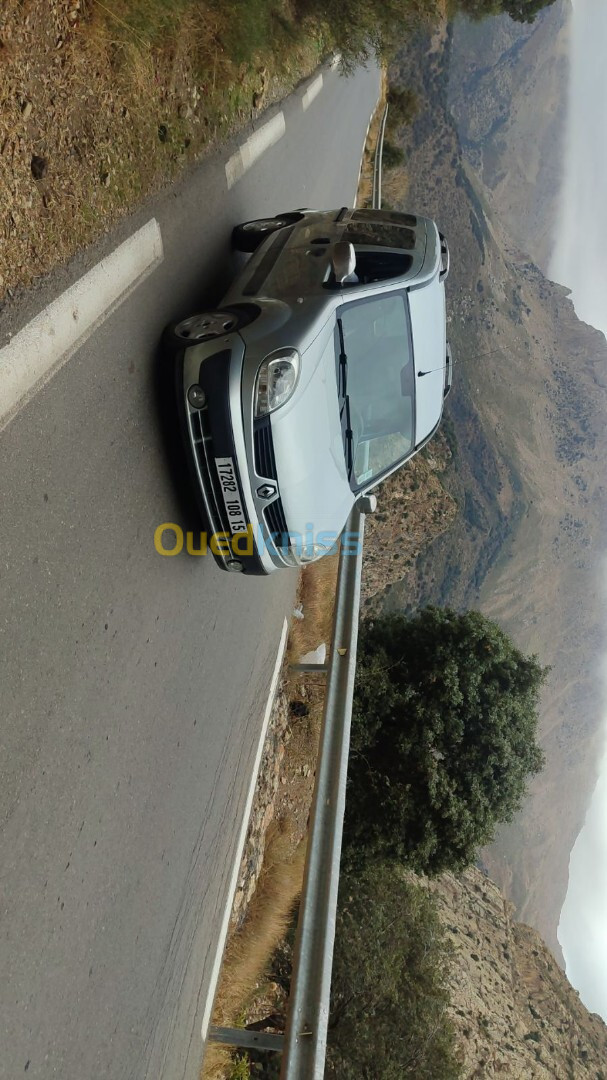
(376, 385)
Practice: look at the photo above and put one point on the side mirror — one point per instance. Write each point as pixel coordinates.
(343, 259)
(367, 504)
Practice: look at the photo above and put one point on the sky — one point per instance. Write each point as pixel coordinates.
(580, 262)
(580, 257)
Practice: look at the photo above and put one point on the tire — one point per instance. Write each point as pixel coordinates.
(248, 236)
(206, 325)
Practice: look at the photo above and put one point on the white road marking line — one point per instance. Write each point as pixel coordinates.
(225, 922)
(38, 351)
(312, 92)
(257, 143)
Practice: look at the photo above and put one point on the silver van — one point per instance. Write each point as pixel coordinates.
(324, 369)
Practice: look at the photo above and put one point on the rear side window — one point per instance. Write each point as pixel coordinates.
(393, 216)
(379, 234)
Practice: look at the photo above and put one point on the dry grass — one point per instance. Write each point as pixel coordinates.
(251, 948)
(116, 97)
(395, 186)
(316, 594)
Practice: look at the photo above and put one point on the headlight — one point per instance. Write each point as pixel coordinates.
(276, 380)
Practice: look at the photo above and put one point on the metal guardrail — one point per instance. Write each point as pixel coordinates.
(377, 162)
(308, 1011)
(304, 1043)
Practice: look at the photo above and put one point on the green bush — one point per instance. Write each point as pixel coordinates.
(403, 105)
(363, 28)
(389, 992)
(443, 738)
(240, 1068)
(392, 155)
(389, 987)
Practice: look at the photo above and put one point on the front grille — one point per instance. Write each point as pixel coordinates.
(265, 462)
(275, 517)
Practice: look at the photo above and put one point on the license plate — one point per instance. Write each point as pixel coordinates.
(231, 495)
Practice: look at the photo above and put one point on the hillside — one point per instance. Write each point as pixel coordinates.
(526, 472)
(508, 96)
(513, 1010)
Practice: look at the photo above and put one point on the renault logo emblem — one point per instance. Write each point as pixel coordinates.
(266, 491)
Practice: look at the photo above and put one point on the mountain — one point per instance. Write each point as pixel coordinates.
(508, 96)
(512, 1008)
(527, 445)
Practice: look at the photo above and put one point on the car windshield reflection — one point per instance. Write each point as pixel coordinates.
(376, 340)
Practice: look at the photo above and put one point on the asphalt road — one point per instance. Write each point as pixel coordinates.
(133, 686)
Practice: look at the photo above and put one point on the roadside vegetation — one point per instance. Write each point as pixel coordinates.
(389, 1016)
(444, 738)
(103, 102)
(244, 970)
(444, 741)
(520, 10)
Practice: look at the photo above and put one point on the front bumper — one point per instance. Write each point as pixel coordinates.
(218, 431)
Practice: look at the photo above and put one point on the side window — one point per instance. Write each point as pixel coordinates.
(373, 264)
(380, 234)
(394, 216)
(384, 246)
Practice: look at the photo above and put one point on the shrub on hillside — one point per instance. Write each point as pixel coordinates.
(392, 155)
(403, 106)
(519, 10)
(443, 738)
(389, 993)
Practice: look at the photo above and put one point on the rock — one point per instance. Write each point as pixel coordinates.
(491, 1015)
(26, 110)
(317, 656)
(185, 112)
(39, 167)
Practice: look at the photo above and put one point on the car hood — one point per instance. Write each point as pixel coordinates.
(309, 448)
(428, 326)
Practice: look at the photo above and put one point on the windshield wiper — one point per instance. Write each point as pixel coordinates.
(348, 436)
(343, 360)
